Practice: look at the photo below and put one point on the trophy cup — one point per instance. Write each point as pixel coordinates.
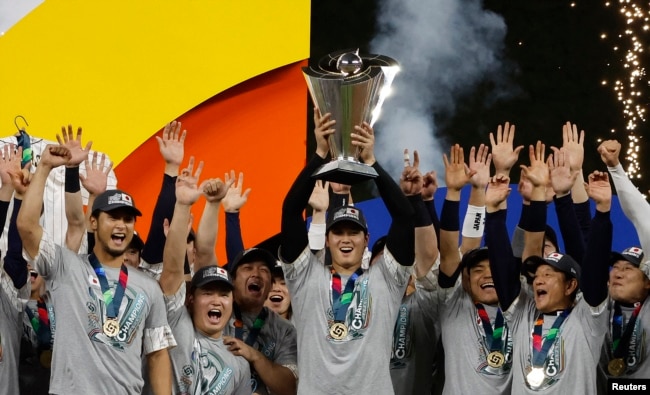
(352, 88)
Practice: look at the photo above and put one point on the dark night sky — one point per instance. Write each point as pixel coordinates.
(557, 71)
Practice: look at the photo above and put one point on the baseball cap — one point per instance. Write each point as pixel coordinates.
(210, 274)
(253, 255)
(474, 257)
(633, 255)
(346, 214)
(563, 263)
(113, 199)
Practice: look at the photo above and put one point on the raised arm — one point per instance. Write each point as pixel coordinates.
(74, 211)
(214, 191)
(538, 174)
(14, 265)
(429, 189)
(473, 225)
(319, 202)
(232, 203)
(29, 227)
(187, 193)
(95, 182)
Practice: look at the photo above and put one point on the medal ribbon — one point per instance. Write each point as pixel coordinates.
(494, 335)
(255, 330)
(41, 323)
(620, 341)
(341, 301)
(540, 350)
(114, 301)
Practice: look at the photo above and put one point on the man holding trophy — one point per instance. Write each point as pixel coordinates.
(342, 311)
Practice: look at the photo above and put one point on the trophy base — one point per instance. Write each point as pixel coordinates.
(345, 172)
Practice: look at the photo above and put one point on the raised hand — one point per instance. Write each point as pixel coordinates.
(572, 143)
(479, 165)
(411, 180)
(599, 189)
(96, 177)
(77, 153)
(319, 199)
(497, 192)
(430, 185)
(323, 130)
(504, 156)
(54, 156)
(21, 180)
(609, 151)
(525, 188)
(457, 173)
(187, 188)
(9, 163)
(563, 177)
(172, 143)
(364, 139)
(215, 190)
(234, 199)
(537, 172)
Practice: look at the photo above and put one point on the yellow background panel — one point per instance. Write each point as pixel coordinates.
(121, 69)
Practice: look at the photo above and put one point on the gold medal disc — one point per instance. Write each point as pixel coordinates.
(338, 331)
(616, 367)
(46, 358)
(111, 327)
(496, 359)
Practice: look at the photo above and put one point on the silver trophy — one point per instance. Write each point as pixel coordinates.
(352, 87)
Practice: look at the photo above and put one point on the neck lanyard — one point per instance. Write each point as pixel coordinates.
(493, 336)
(621, 337)
(255, 330)
(341, 300)
(40, 323)
(540, 350)
(114, 301)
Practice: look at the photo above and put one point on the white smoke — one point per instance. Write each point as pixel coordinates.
(445, 48)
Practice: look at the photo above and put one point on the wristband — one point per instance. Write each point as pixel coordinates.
(422, 218)
(449, 216)
(72, 184)
(474, 222)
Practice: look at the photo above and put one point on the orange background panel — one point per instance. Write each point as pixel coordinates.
(256, 127)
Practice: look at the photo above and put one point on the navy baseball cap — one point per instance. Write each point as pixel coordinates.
(347, 214)
(210, 274)
(563, 263)
(633, 255)
(252, 255)
(474, 257)
(114, 199)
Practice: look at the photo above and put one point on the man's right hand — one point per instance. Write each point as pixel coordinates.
(609, 151)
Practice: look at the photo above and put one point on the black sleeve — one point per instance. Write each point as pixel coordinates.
(504, 267)
(4, 209)
(583, 213)
(400, 240)
(338, 200)
(234, 241)
(595, 265)
(570, 228)
(293, 236)
(449, 221)
(14, 264)
(431, 208)
(152, 252)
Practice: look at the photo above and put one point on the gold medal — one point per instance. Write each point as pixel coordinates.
(111, 327)
(535, 377)
(616, 367)
(46, 358)
(338, 331)
(496, 359)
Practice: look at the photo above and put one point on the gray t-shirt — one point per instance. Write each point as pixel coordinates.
(276, 340)
(358, 363)
(12, 307)
(415, 341)
(572, 361)
(86, 360)
(467, 348)
(202, 365)
(638, 353)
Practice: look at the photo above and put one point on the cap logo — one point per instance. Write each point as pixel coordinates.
(554, 256)
(120, 198)
(348, 212)
(633, 251)
(215, 272)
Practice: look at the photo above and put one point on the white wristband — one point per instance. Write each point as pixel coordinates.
(316, 236)
(474, 222)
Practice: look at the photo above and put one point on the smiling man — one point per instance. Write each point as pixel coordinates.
(110, 314)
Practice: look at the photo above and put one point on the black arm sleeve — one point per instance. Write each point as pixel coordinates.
(400, 240)
(338, 200)
(293, 236)
(570, 228)
(504, 267)
(234, 241)
(152, 252)
(431, 207)
(595, 265)
(4, 209)
(583, 213)
(449, 221)
(14, 264)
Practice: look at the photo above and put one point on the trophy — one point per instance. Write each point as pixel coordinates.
(352, 87)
